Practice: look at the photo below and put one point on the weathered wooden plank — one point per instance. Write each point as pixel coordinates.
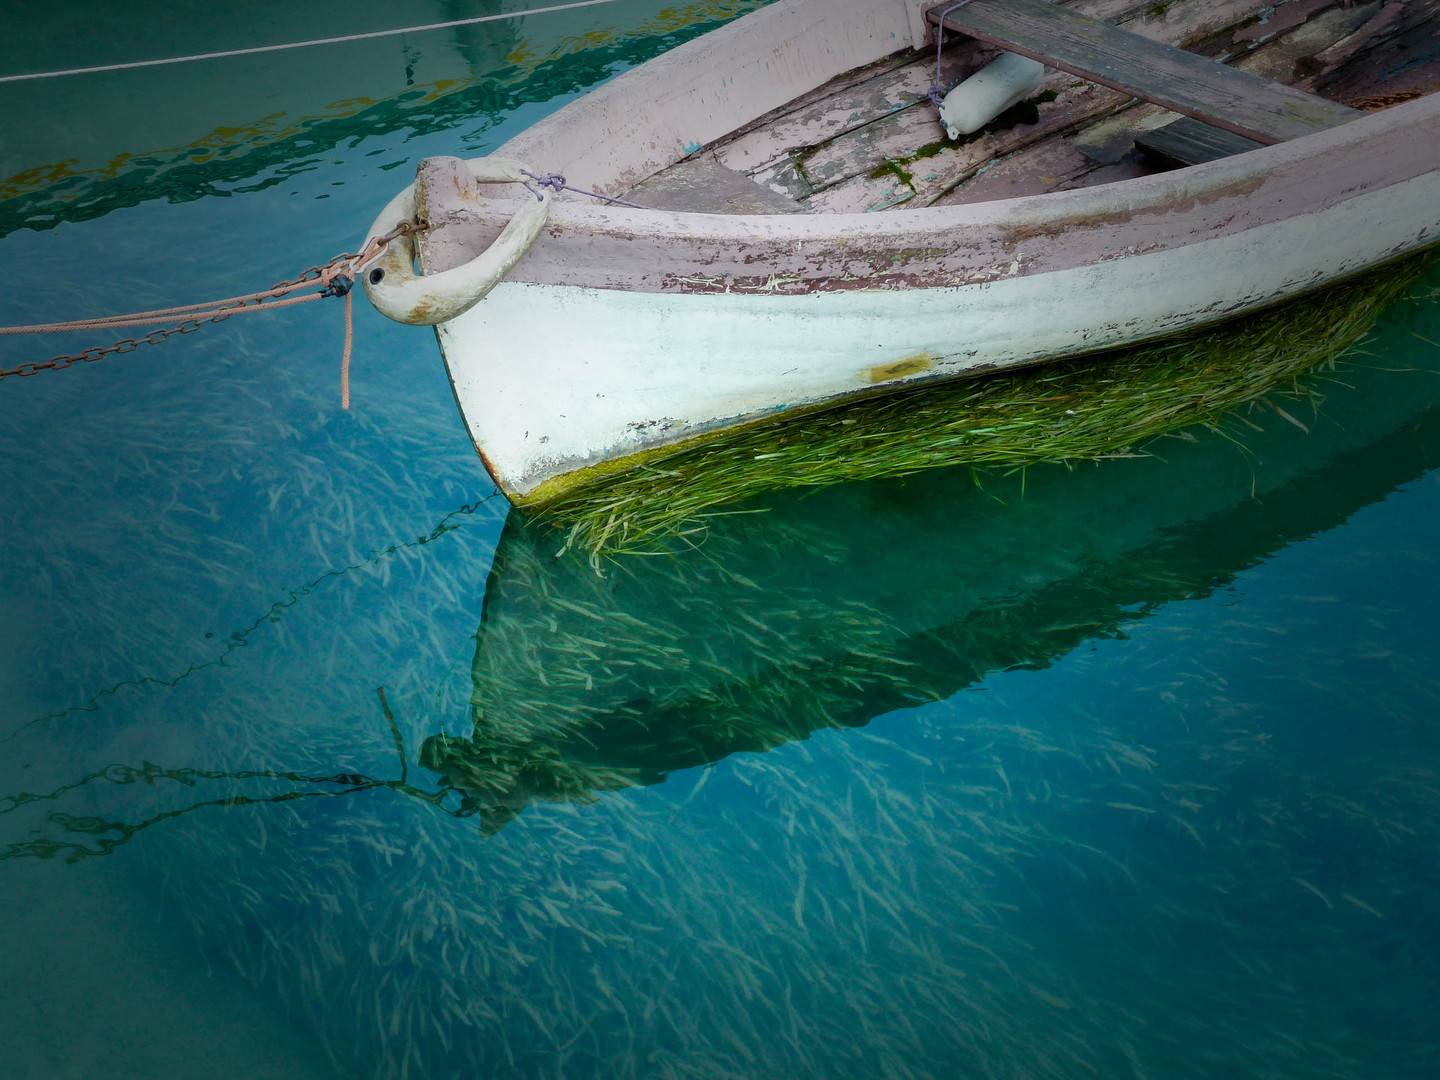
(785, 177)
(1175, 21)
(1129, 169)
(1393, 57)
(762, 150)
(885, 163)
(1285, 56)
(864, 194)
(1038, 168)
(958, 162)
(867, 148)
(839, 84)
(932, 175)
(848, 110)
(765, 147)
(1183, 24)
(704, 186)
(1109, 141)
(1189, 142)
(1182, 82)
(817, 149)
(881, 172)
(1286, 16)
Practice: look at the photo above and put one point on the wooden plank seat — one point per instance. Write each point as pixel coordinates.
(1223, 97)
(1189, 142)
(704, 186)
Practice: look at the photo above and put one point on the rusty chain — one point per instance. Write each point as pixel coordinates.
(336, 277)
(95, 352)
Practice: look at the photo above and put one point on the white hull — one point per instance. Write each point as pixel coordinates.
(556, 378)
(623, 331)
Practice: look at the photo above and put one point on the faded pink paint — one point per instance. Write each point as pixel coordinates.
(635, 126)
(662, 251)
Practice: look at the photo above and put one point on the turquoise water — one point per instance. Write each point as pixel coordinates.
(317, 762)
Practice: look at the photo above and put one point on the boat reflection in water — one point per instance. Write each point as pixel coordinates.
(827, 610)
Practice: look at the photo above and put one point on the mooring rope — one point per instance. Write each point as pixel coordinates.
(256, 50)
(556, 183)
(335, 278)
(234, 305)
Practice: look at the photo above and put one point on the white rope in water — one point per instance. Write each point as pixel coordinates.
(304, 44)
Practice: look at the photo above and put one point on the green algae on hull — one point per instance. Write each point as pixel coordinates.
(1095, 407)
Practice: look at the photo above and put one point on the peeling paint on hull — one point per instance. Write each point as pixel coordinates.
(553, 379)
(625, 331)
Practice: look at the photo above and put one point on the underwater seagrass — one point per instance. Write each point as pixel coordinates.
(970, 889)
(791, 621)
(1093, 407)
(990, 887)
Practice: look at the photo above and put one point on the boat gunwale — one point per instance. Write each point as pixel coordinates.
(741, 244)
(1158, 189)
(606, 118)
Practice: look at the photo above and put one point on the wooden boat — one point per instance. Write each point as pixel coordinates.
(803, 232)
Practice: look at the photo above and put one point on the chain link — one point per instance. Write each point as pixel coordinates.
(347, 265)
(95, 352)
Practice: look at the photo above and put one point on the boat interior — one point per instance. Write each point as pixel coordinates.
(1127, 90)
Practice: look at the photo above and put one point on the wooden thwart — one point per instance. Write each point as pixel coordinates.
(1189, 142)
(704, 186)
(1225, 97)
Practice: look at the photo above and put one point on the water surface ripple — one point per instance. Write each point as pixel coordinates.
(317, 762)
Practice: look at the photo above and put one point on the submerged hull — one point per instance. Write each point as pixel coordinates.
(625, 332)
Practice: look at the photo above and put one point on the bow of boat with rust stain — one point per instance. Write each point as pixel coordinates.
(804, 233)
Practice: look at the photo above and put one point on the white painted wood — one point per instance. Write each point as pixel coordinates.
(650, 117)
(824, 120)
(391, 283)
(922, 34)
(1007, 80)
(625, 329)
(653, 250)
(555, 378)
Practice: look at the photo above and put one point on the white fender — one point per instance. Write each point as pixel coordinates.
(1005, 81)
(423, 300)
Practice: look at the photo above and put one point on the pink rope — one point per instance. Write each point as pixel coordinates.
(345, 360)
(337, 277)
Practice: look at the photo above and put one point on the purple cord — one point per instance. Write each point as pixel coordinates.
(935, 93)
(556, 183)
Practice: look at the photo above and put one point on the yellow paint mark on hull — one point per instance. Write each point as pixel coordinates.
(911, 365)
